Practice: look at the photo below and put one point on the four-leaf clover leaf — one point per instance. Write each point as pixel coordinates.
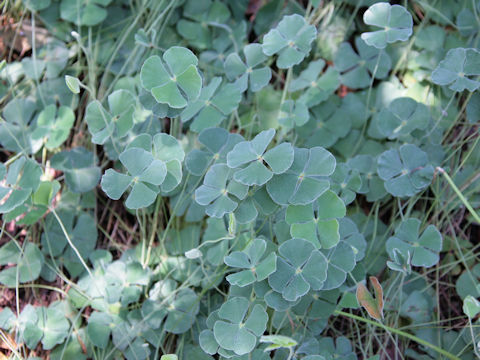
(291, 40)
(356, 68)
(253, 153)
(395, 21)
(217, 191)
(304, 182)
(145, 173)
(175, 81)
(300, 267)
(21, 180)
(237, 331)
(53, 125)
(406, 170)
(251, 260)
(402, 116)
(115, 123)
(217, 142)
(458, 70)
(215, 102)
(423, 249)
(319, 87)
(248, 74)
(317, 222)
(16, 129)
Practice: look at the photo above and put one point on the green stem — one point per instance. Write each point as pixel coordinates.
(290, 354)
(459, 194)
(399, 332)
(65, 233)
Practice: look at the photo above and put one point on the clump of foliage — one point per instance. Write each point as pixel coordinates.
(217, 179)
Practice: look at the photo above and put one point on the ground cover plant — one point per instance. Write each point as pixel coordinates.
(239, 179)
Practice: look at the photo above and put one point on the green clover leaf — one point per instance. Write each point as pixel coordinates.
(123, 282)
(37, 5)
(177, 314)
(459, 70)
(128, 336)
(53, 57)
(82, 231)
(7, 319)
(55, 91)
(357, 70)
(197, 15)
(316, 306)
(341, 260)
(183, 202)
(28, 260)
(166, 148)
(291, 40)
(224, 44)
(175, 81)
(418, 307)
(402, 116)
(21, 180)
(303, 183)
(214, 104)
(84, 13)
(235, 330)
(53, 125)
(341, 349)
(468, 283)
(27, 326)
(346, 182)
(473, 109)
(251, 260)
(115, 123)
(372, 185)
(350, 234)
(319, 87)
(257, 201)
(248, 74)
(328, 124)
(432, 37)
(317, 222)
(145, 174)
(253, 154)
(33, 68)
(36, 206)
(217, 191)
(423, 248)
(395, 21)
(300, 267)
(46, 324)
(405, 170)
(99, 328)
(217, 142)
(293, 113)
(79, 165)
(53, 324)
(471, 306)
(17, 128)
(55, 54)
(467, 23)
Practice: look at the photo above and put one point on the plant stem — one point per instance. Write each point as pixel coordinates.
(399, 332)
(459, 194)
(65, 232)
